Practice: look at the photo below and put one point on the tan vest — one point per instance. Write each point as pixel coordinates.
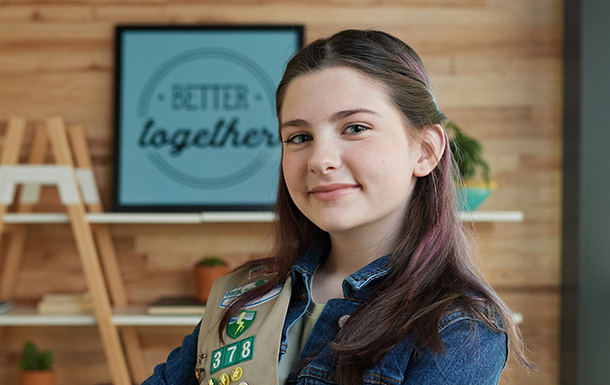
(249, 355)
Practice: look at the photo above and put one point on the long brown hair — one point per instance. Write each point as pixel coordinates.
(431, 268)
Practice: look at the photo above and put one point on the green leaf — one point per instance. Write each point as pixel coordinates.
(467, 153)
(33, 359)
(45, 360)
(30, 356)
(211, 261)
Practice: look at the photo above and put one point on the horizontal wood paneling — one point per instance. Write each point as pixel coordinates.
(495, 64)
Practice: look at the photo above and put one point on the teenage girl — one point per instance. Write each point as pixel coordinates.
(371, 279)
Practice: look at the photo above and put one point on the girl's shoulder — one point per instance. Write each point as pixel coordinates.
(471, 308)
(475, 348)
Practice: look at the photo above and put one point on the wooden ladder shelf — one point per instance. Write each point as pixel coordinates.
(77, 188)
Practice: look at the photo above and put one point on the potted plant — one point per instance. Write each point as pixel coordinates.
(36, 366)
(472, 167)
(207, 270)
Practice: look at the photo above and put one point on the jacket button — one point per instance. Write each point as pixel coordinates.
(342, 320)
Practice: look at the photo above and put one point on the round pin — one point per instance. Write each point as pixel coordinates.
(224, 379)
(236, 373)
(342, 320)
(243, 383)
(212, 381)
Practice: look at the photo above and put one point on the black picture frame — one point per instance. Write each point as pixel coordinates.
(194, 123)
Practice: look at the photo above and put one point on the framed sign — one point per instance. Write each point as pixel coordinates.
(195, 121)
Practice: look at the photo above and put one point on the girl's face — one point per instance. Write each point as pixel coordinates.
(348, 160)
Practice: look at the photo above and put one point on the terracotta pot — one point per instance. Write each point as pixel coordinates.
(36, 377)
(205, 277)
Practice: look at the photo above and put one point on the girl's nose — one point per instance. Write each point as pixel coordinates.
(325, 156)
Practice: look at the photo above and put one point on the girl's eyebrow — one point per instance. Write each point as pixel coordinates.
(334, 118)
(344, 114)
(294, 123)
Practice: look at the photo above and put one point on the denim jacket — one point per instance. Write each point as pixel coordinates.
(475, 353)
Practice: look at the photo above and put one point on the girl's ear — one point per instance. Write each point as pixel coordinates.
(432, 147)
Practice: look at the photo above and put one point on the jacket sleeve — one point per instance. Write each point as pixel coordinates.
(475, 354)
(179, 369)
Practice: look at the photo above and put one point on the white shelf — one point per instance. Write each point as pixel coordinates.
(216, 217)
(131, 316)
(137, 316)
(492, 216)
(36, 218)
(175, 218)
(28, 316)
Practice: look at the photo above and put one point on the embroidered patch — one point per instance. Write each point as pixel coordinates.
(228, 299)
(232, 354)
(239, 290)
(239, 323)
(260, 270)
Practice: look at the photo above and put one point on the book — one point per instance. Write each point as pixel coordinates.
(176, 306)
(67, 298)
(66, 303)
(5, 306)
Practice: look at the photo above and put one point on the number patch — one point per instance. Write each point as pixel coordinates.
(237, 352)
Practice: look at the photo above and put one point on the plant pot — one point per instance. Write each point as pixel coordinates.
(205, 277)
(36, 377)
(472, 195)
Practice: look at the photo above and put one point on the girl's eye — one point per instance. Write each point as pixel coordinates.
(298, 138)
(356, 128)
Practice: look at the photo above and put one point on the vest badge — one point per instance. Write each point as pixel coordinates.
(240, 322)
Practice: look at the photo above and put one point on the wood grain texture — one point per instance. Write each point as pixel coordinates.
(496, 66)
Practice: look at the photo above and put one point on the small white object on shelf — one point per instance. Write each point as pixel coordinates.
(66, 303)
(517, 317)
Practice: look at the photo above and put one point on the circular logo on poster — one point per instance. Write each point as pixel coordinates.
(208, 118)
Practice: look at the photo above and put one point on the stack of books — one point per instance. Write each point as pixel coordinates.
(72, 303)
(176, 306)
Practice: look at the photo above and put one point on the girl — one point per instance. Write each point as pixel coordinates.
(371, 279)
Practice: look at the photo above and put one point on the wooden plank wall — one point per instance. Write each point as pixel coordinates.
(496, 66)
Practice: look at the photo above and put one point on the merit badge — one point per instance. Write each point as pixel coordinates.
(232, 354)
(240, 323)
(226, 302)
(236, 373)
(260, 270)
(243, 289)
(236, 292)
(224, 379)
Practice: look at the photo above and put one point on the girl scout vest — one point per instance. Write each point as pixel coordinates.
(249, 355)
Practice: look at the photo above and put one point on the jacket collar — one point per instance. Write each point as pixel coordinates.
(357, 285)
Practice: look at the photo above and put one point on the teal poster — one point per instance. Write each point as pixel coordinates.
(196, 126)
